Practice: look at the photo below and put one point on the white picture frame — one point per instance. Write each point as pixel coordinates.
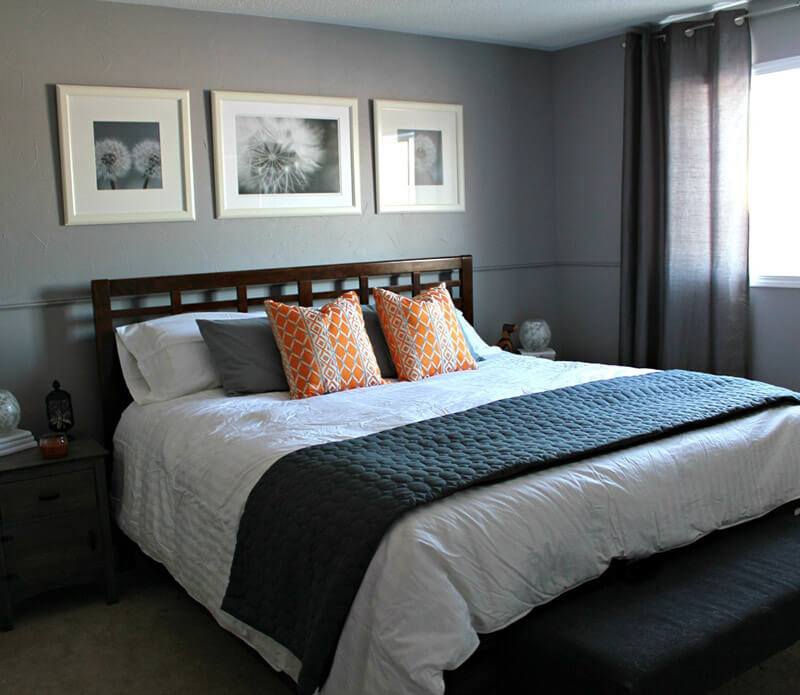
(126, 154)
(419, 156)
(285, 155)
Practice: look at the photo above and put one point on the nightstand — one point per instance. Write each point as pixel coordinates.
(55, 528)
(546, 354)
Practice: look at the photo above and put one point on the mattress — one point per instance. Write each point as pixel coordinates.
(465, 565)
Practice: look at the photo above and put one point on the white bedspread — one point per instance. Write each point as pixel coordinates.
(469, 564)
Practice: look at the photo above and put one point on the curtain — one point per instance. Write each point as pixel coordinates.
(643, 200)
(684, 279)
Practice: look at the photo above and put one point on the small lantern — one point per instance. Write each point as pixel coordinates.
(59, 409)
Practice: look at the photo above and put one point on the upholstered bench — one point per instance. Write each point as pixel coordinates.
(682, 622)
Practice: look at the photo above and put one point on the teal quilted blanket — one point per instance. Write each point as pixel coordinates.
(313, 522)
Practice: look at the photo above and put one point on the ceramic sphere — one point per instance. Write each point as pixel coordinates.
(534, 335)
(9, 411)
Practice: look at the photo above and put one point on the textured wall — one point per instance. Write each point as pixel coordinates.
(507, 98)
(588, 95)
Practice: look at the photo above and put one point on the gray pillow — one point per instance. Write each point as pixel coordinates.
(375, 333)
(245, 354)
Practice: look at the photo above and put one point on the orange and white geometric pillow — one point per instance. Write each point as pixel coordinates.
(423, 333)
(324, 350)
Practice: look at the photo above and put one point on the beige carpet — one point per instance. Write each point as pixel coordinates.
(158, 641)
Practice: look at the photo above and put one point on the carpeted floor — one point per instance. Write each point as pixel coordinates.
(158, 641)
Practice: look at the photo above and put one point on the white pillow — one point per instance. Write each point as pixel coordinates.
(137, 386)
(478, 344)
(167, 357)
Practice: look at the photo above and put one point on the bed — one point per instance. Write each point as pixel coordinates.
(470, 564)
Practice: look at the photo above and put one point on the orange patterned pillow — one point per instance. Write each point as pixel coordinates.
(324, 350)
(423, 334)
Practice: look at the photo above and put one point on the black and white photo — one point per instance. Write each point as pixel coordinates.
(419, 156)
(426, 146)
(285, 155)
(127, 155)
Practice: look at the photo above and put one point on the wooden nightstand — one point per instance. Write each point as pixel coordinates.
(55, 528)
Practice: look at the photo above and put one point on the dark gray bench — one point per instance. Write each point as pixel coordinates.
(681, 622)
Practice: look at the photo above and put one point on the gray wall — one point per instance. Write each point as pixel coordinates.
(589, 85)
(588, 96)
(508, 116)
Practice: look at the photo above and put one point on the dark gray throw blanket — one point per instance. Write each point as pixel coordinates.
(313, 522)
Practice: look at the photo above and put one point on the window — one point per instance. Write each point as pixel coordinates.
(775, 174)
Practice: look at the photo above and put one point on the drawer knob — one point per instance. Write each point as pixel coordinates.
(49, 496)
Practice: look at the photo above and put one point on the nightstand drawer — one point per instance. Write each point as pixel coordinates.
(44, 549)
(46, 495)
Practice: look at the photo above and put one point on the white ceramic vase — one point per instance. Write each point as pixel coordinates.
(534, 335)
(9, 411)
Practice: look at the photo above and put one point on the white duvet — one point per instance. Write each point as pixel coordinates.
(469, 564)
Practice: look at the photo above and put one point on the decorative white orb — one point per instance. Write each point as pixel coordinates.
(534, 334)
(9, 411)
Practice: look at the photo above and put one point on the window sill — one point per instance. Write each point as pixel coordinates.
(791, 281)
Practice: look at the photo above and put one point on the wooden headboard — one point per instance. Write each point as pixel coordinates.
(247, 288)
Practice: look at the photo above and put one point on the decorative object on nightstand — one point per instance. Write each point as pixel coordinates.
(534, 335)
(12, 439)
(59, 409)
(55, 528)
(505, 342)
(16, 440)
(10, 412)
(54, 445)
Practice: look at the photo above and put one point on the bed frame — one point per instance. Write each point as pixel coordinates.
(142, 301)
(502, 662)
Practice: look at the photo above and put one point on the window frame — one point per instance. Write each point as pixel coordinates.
(764, 68)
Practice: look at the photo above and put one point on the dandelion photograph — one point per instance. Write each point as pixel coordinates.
(426, 146)
(127, 155)
(419, 156)
(287, 155)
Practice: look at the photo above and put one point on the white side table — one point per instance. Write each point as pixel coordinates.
(546, 354)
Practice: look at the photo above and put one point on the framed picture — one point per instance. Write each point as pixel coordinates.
(285, 155)
(419, 156)
(126, 154)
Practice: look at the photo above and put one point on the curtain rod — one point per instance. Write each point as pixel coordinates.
(740, 20)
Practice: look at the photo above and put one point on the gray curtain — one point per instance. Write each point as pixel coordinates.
(684, 279)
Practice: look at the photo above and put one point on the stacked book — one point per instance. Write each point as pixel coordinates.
(16, 440)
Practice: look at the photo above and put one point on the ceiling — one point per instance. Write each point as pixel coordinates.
(544, 24)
